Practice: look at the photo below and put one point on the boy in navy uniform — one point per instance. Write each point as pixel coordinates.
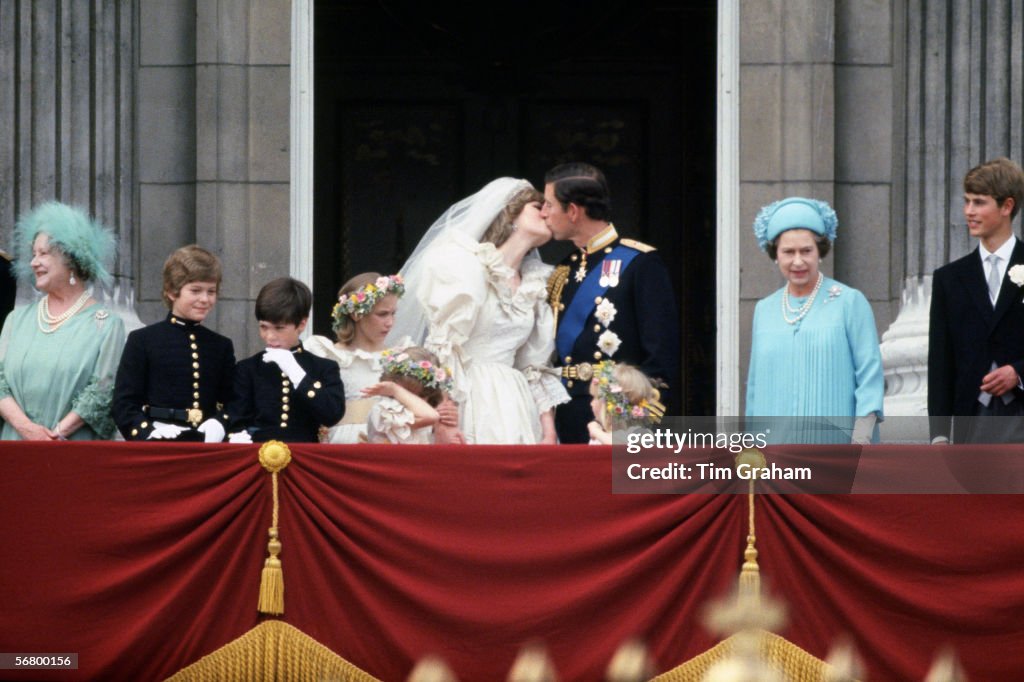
(283, 392)
(175, 376)
(612, 297)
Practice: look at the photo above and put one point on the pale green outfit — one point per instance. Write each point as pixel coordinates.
(71, 369)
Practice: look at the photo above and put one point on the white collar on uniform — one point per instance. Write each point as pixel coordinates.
(601, 239)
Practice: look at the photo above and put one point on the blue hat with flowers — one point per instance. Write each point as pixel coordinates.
(794, 213)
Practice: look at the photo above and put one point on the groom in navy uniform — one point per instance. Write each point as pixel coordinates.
(976, 327)
(612, 297)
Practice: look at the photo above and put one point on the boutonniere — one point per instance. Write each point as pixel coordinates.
(834, 292)
(1016, 274)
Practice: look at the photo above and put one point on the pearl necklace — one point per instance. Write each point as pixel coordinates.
(802, 310)
(48, 323)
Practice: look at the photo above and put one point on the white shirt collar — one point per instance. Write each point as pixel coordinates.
(1004, 252)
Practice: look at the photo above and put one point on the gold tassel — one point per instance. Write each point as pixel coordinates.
(274, 456)
(750, 573)
(272, 579)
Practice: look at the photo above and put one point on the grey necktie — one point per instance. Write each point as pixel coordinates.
(993, 278)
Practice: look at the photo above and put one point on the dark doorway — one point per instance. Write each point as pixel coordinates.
(421, 104)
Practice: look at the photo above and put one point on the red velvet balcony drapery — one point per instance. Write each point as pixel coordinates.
(142, 558)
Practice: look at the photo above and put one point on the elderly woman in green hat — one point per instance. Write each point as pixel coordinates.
(814, 353)
(58, 355)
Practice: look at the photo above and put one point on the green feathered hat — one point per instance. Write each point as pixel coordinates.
(83, 240)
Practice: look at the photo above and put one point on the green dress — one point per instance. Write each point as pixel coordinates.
(73, 368)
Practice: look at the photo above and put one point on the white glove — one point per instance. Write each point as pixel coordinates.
(863, 428)
(285, 359)
(240, 437)
(162, 430)
(212, 430)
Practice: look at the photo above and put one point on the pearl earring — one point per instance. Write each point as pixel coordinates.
(72, 280)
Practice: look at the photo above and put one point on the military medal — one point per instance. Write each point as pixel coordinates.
(582, 272)
(610, 272)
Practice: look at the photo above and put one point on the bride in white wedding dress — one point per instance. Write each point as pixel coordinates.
(479, 302)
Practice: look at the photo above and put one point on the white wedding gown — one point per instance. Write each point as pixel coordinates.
(494, 339)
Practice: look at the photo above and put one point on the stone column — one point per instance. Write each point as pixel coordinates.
(67, 115)
(964, 103)
(868, 247)
(242, 156)
(166, 143)
(787, 127)
(214, 147)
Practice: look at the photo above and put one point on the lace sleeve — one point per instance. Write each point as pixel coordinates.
(92, 404)
(534, 356)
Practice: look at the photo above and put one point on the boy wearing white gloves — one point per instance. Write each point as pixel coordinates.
(283, 392)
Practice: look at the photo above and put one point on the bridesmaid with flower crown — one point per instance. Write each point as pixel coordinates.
(622, 399)
(412, 385)
(361, 321)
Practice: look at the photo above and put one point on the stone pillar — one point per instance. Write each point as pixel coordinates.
(214, 147)
(67, 115)
(867, 248)
(242, 156)
(166, 143)
(964, 103)
(787, 126)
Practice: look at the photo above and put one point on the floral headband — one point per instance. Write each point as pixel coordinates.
(423, 371)
(361, 301)
(617, 404)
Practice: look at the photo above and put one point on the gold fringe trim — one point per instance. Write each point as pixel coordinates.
(273, 650)
(274, 457)
(795, 664)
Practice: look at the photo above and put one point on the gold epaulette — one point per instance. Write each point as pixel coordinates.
(556, 283)
(6, 256)
(639, 246)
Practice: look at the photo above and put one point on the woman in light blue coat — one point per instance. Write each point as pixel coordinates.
(814, 358)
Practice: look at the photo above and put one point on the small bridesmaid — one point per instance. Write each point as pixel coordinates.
(361, 320)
